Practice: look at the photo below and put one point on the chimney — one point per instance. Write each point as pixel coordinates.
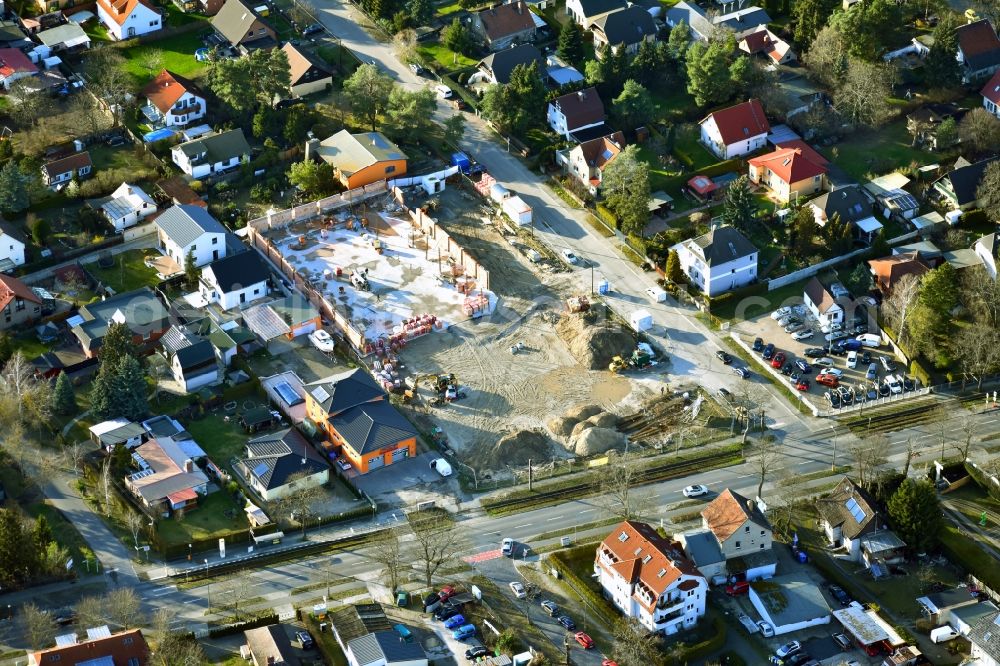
(582, 94)
(750, 506)
(312, 145)
(188, 466)
(270, 660)
(520, 7)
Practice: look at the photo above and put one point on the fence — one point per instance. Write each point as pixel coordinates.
(312, 209)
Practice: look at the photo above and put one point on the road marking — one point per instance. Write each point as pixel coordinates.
(163, 591)
(490, 533)
(483, 557)
(588, 511)
(517, 527)
(778, 425)
(549, 520)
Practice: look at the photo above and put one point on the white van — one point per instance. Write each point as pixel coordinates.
(852, 359)
(869, 340)
(656, 294)
(942, 634)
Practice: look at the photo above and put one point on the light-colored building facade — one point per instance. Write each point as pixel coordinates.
(719, 261)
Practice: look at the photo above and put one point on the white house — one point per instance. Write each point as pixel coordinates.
(12, 246)
(184, 229)
(211, 154)
(846, 515)
(985, 640)
(173, 100)
(61, 171)
(735, 130)
(584, 12)
(191, 358)
(235, 280)
(127, 206)
(126, 19)
(576, 111)
(650, 579)
(743, 535)
(719, 261)
(283, 462)
(821, 303)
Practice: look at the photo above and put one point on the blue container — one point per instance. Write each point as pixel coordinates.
(603, 288)
(462, 161)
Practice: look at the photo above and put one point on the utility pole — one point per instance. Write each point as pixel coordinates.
(529, 474)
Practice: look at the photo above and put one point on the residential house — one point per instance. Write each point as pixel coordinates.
(964, 618)
(128, 205)
(701, 547)
(176, 190)
(991, 94)
(762, 42)
(719, 261)
(125, 19)
(109, 434)
(19, 305)
(985, 641)
(281, 463)
(168, 480)
(14, 65)
(497, 67)
(502, 26)
(191, 359)
(285, 319)
(384, 648)
(797, 94)
(12, 245)
(576, 111)
(586, 161)
(124, 648)
(359, 159)
(141, 310)
(67, 37)
(978, 50)
(355, 414)
(849, 204)
(821, 303)
(58, 172)
(269, 646)
(736, 130)
(213, 153)
(846, 515)
(235, 281)
(649, 579)
(172, 100)
(184, 230)
(887, 271)
(308, 74)
(12, 36)
(743, 534)
(958, 188)
(585, 12)
(740, 22)
(626, 28)
(939, 606)
(241, 26)
(790, 173)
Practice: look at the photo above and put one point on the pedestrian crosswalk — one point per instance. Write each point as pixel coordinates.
(483, 557)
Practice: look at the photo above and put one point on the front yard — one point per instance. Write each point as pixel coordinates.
(216, 516)
(128, 273)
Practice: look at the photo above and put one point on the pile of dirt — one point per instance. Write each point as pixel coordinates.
(514, 449)
(594, 339)
(593, 441)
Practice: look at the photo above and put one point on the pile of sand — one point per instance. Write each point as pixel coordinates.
(593, 441)
(587, 430)
(514, 449)
(594, 339)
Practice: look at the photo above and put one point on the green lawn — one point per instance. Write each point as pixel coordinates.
(96, 31)
(672, 102)
(208, 521)
(449, 9)
(436, 52)
(108, 157)
(878, 151)
(128, 273)
(177, 55)
(758, 304)
(222, 441)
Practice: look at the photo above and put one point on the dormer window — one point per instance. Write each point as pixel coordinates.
(623, 537)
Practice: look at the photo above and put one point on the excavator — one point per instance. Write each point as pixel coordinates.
(443, 385)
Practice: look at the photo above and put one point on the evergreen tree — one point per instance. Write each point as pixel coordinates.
(6, 348)
(129, 393)
(421, 11)
(101, 400)
(634, 107)
(570, 47)
(708, 72)
(16, 550)
(740, 208)
(117, 343)
(678, 43)
(860, 279)
(675, 273)
(803, 233)
(941, 67)
(456, 37)
(14, 196)
(650, 62)
(916, 514)
(41, 536)
(63, 396)
(191, 270)
(810, 17)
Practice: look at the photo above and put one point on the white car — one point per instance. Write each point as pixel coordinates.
(443, 92)
(833, 372)
(824, 361)
(895, 384)
(507, 547)
(321, 340)
(852, 359)
(803, 334)
(518, 590)
(570, 257)
(781, 313)
(869, 340)
(695, 491)
(766, 630)
(788, 648)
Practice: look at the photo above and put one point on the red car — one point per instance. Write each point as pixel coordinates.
(802, 385)
(738, 588)
(608, 662)
(583, 639)
(447, 592)
(827, 380)
(778, 360)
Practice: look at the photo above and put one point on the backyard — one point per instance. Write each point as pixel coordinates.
(447, 60)
(222, 441)
(217, 515)
(128, 273)
(176, 54)
(878, 151)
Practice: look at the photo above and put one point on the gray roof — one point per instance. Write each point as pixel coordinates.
(196, 354)
(351, 153)
(628, 26)
(964, 180)
(217, 147)
(238, 270)
(848, 507)
(185, 224)
(944, 600)
(270, 641)
(372, 426)
(850, 203)
(340, 392)
(986, 634)
(276, 457)
(140, 309)
(724, 244)
(971, 615)
(795, 599)
(741, 21)
(593, 8)
(122, 434)
(880, 542)
(234, 20)
(502, 63)
(703, 548)
(61, 34)
(387, 645)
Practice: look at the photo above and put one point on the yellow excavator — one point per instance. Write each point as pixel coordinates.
(440, 384)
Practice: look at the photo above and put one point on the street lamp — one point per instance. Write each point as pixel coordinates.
(209, 587)
(834, 431)
(190, 552)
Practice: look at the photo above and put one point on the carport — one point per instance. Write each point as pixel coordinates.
(867, 629)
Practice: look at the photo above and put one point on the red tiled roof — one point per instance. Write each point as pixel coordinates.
(756, 42)
(807, 151)
(13, 61)
(72, 163)
(120, 10)
(11, 288)
(504, 20)
(600, 152)
(164, 91)
(121, 647)
(702, 185)
(991, 90)
(728, 512)
(889, 270)
(740, 122)
(789, 164)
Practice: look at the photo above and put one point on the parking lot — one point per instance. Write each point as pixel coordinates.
(871, 366)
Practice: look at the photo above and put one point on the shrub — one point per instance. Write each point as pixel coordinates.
(975, 217)
(607, 216)
(918, 371)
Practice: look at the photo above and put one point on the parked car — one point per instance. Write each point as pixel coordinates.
(304, 640)
(852, 359)
(507, 547)
(887, 363)
(695, 491)
(567, 622)
(871, 392)
(724, 357)
(724, 393)
(432, 602)
(794, 378)
(838, 593)
(476, 652)
(583, 639)
(744, 373)
(758, 345)
(464, 632)
(768, 352)
(788, 648)
(872, 372)
(446, 593)
(778, 360)
(404, 633)
(908, 383)
(766, 630)
(883, 389)
(518, 590)
(64, 617)
(454, 622)
(804, 334)
(869, 340)
(843, 641)
(781, 313)
(417, 69)
(802, 385)
(833, 397)
(943, 634)
(814, 352)
(866, 357)
(608, 662)
(895, 385)
(570, 257)
(788, 369)
(446, 611)
(803, 367)
(827, 380)
(550, 607)
(738, 588)
(312, 29)
(794, 327)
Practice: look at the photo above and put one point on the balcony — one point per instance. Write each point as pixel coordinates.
(661, 618)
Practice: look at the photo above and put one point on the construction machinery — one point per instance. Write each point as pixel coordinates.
(441, 384)
(642, 357)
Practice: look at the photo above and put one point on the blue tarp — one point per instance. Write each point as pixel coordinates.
(158, 135)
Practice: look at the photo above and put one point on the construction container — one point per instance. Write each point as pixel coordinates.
(603, 287)
(462, 161)
(498, 192)
(640, 321)
(656, 295)
(518, 211)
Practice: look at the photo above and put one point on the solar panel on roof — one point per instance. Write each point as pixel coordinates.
(606, 154)
(856, 511)
(260, 469)
(320, 394)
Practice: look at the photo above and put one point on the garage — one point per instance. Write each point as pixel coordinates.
(400, 454)
(375, 462)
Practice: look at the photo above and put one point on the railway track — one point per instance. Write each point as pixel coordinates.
(884, 422)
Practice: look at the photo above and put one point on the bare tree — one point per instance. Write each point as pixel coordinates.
(304, 495)
(968, 429)
(633, 645)
(152, 60)
(619, 488)
(982, 294)
(91, 611)
(110, 81)
(978, 349)
(124, 607)
(869, 455)
(37, 626)
(105, 482)
(900, 303)
(386, 551)
(437, 540)
(911, 449)
(24, 397)
(173, 648)
(404, 43)
(75, 452)
(135, 521)
(764, 460)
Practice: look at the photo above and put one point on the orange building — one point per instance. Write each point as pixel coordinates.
(361, 159)
(363, 428)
